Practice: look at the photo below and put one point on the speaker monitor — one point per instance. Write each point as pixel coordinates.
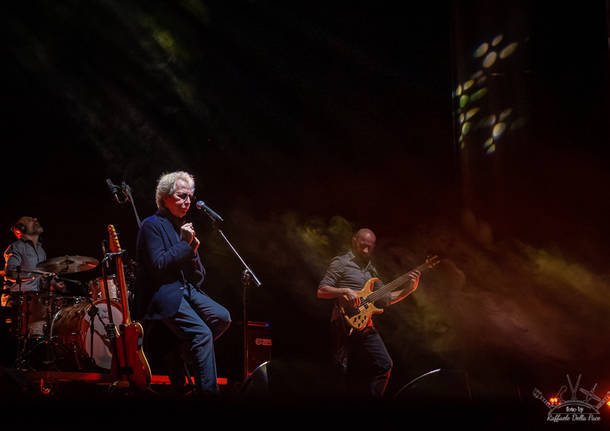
(439, 384)
(259, 343)
(256, 385)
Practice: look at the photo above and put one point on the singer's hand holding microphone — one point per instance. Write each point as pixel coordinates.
(187, 233)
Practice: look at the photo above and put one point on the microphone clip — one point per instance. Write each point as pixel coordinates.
(120, 193)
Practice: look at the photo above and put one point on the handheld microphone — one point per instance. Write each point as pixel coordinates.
(114, 189)
(209, 211)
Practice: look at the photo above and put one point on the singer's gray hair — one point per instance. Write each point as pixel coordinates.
(166, 185)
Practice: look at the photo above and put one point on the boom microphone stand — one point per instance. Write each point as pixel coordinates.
(247, 276)
(127, 197)
(127, 193)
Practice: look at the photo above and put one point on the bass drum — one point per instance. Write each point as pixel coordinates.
(71, 329)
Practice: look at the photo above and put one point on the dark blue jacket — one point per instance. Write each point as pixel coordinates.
(165, 263)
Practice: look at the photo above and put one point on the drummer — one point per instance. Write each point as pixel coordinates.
(23, 256)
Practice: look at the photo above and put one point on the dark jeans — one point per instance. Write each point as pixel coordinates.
(368, 364)
(198, 323)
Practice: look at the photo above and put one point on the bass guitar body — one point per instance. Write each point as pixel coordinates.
(359, 317)
(130, 350)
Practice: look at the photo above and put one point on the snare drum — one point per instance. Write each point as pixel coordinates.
(71, 329)
(97, 291)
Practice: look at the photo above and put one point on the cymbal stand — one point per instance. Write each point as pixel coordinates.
(49, 303)
(22, 327)
(28, 345)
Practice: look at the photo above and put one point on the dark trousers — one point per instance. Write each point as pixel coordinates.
(367, 364)
(198, 323)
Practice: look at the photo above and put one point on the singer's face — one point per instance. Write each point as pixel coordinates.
(179, 202)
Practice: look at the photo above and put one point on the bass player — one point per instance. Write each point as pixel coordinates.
(361, 355)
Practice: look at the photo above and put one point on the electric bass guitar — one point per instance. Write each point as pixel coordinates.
(358, 317)
(130, 362)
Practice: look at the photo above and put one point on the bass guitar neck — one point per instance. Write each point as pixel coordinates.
(359, 317)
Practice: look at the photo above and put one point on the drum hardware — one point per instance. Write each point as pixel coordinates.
(93, 312)
(23, 303)
(33, 314)
(74, 328)
(35, 344)
(81, 340)
(55, 331)
(21, 342)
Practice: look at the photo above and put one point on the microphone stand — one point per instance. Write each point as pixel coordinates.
(127, 193)
(110, 327)
(247, 277)
(127, 196)
(126, 190)
(93, 311)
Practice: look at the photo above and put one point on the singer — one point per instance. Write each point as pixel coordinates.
(170, 277)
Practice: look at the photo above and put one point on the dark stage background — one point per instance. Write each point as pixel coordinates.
(302, 121)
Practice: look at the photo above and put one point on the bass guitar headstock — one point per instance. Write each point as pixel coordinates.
(432, 261)
(115, 247)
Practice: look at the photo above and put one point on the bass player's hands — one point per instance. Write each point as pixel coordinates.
(350, 298)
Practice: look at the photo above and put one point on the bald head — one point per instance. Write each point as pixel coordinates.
(363, 243)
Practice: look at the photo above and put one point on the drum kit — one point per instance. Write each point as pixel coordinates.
(56, 330)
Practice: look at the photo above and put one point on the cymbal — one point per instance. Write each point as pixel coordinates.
(68, 264)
